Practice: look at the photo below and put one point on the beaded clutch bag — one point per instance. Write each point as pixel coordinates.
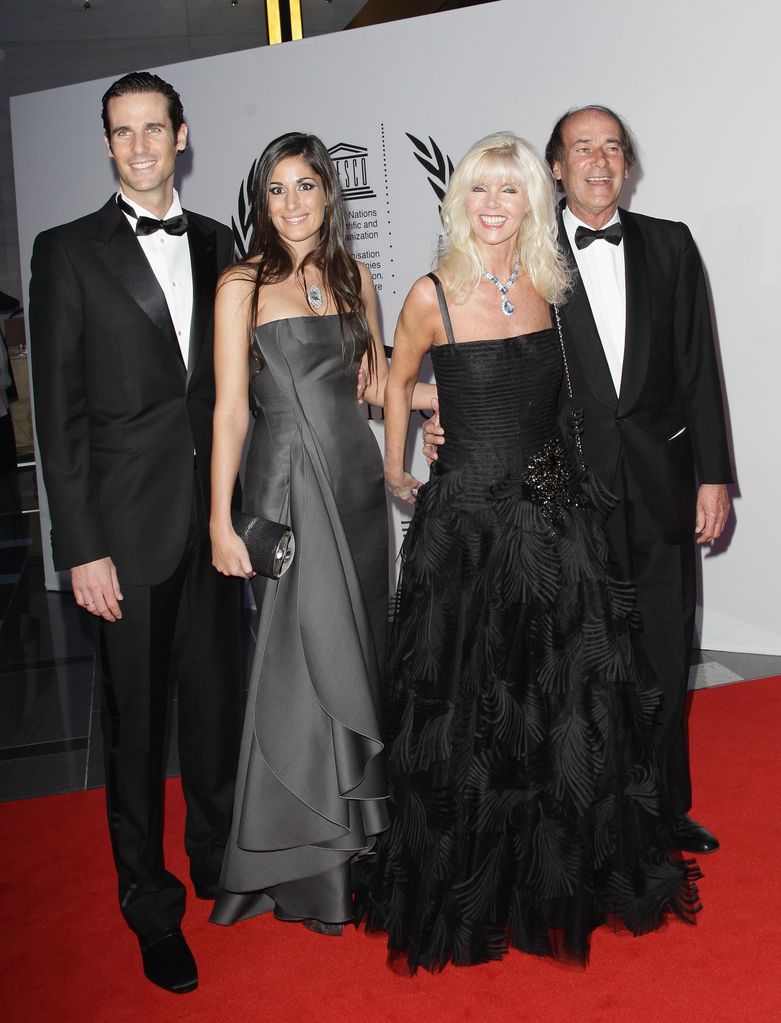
(270, 545)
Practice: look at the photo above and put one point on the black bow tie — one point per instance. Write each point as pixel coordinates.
(148, 225)
(584, 236)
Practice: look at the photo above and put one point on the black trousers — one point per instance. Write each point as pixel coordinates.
(187, 628)
(665, 577)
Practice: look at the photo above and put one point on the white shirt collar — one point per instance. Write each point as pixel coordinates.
(173, 210)
(571, 222)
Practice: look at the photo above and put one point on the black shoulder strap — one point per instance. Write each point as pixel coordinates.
(443, 308)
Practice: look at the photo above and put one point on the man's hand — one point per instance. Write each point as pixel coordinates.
(96, 588)
(433, 434)
(712, 511)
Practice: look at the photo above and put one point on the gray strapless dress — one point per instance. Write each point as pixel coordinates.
(311, 785)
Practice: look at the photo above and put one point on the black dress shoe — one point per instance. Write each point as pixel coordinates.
(207, 891)
(169, 963)
(694, 837)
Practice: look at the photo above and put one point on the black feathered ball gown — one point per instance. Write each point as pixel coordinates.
(526, 797)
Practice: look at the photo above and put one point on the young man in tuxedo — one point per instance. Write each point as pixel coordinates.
(121, 330)
(641, 357)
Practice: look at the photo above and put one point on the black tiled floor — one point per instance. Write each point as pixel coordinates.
(40, 705)
(43, 775)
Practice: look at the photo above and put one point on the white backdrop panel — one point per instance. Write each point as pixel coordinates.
(698, 82)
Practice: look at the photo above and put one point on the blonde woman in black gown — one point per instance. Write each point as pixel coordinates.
(296, 321)
(525, 792)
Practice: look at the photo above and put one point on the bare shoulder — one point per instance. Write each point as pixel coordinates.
(420, 319)
(235, 288)
(238, 280)
(421, 301)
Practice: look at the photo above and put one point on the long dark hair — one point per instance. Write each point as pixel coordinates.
(340, 274)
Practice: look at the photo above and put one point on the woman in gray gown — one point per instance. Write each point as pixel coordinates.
(297, 321)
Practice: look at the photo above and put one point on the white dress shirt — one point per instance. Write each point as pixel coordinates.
(169, 257)
(601, 266)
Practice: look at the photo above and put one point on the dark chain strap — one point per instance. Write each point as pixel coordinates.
(575, 424)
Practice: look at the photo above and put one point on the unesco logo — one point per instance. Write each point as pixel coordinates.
(350, 164)
(242, 222)
(438, 166)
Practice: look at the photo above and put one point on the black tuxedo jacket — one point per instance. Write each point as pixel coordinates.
(667, 422)
(118, 415)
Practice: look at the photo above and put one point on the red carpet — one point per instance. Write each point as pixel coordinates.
(66, 955)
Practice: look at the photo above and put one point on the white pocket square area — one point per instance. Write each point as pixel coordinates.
(678, 434)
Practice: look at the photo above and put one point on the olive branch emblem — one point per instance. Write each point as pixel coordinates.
(439, 167)
(242, 231)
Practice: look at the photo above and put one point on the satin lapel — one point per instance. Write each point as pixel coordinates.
(637, 345)
(582, 335)
(204, 261)
(120, 252)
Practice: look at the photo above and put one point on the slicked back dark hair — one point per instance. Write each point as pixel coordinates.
(340, 273)
(554, 151)
(144, 81)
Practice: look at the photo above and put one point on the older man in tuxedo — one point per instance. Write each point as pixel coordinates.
(121, 330)
(642, 363)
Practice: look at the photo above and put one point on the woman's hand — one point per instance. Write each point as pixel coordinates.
(403, 485)
(229, 554)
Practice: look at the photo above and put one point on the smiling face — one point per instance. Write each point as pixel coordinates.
(142, 143)
(495, 207)
(296, 204)
(593, 168)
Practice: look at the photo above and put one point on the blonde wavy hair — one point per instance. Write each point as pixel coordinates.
(505, 157)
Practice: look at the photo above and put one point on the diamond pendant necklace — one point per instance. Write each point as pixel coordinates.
(507, 307)
(314, 296)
